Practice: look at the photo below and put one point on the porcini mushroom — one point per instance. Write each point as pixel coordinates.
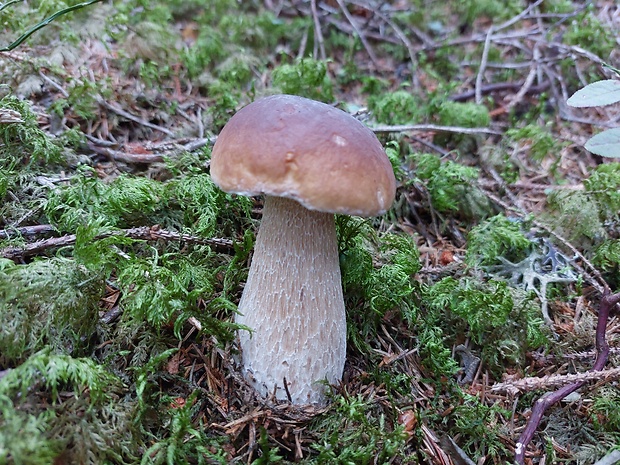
(311, 160)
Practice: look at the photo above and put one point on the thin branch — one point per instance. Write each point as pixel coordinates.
(533, 383)
(497, 87)
(53, 83)
(103, 147)
(27, 231)
(136, 119)
(359, 33)
(127, 157)
(318, 34)
(483, 65)
(519, 17)
(142, 233)
(434, 127)
(529, 80)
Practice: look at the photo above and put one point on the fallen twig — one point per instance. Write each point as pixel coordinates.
(483, 66)
(496, 87)
(145, 233)
(530, 384)
(169, 148)
(27, 231)
(135, 119)
(360, 34)
(318, 34)
(434, 127)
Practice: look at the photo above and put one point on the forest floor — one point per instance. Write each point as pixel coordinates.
(489, 284)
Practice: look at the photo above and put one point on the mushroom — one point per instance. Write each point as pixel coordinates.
(311, 160)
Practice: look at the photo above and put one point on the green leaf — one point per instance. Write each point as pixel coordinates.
(597, 94)
(605, 144)
(43, 23)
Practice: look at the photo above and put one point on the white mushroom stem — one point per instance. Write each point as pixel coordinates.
(293, 302)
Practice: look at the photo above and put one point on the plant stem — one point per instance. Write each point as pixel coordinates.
(608, 301)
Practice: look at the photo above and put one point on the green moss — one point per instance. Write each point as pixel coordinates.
(24, 143)
(480, 427)
(587, 31)
(496, 237)
(355, 433)
(468, 115)
(399, 107)
(82, 98)
(168, 290)
(237, 69)
(450, 185)
(603, 185)
(482, 307)
(376, 276)
(541, 141)
(126, 201)
(605, 411)
(5, 182)
(502, 322)
(306, 77)
(607, 255)
(56, 371)
(47, 303)
(575, 216)
(199, 200)
(71, 407)
(470, 10)
(24, 438)
(225, 99)
(181, 442)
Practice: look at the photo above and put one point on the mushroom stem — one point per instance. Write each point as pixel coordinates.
(294, 305)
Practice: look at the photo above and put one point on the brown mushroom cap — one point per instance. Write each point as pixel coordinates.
(308, 151)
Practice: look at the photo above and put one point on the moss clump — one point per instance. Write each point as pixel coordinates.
(168, 290)
(356, 433)
(499, 320)
(468, 115)
(127, 200)
(587, 31)
(607, 255)
(588, 218)
(306, 77)
(541, 141)
(470, 10)
(479, 425)
(70, 407)
(496, 237)
(377, 277)
(575, 216)
(451, 186)
(47, 303)
(605, 411)
(24, 143)
(603, 185)
(399, 107)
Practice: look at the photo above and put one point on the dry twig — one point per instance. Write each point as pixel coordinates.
(144, 233)
(360, 34)
(531, 384)
(434, 127)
